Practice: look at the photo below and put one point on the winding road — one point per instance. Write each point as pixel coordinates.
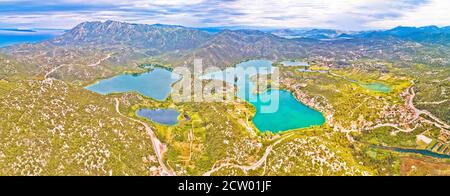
(255, 165)
(100, 61)
(53, 70)
(417, 112)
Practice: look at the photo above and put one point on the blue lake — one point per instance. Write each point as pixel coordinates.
(276, 110)
(415, 151)
(161, 116)
(156, 84)
(295, 64)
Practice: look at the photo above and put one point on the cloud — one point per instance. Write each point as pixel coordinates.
(434, 12)
(337, 14)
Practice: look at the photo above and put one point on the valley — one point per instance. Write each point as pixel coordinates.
(365, 106)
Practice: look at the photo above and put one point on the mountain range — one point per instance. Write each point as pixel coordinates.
(428, 34)
(98, 49)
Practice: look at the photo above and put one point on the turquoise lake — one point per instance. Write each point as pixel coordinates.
(290, 113)
(161, 116)
(276, 110)
(156, 84)
(374, 86)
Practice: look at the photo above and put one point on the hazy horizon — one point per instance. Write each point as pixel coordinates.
(353, 15)
(262, 28)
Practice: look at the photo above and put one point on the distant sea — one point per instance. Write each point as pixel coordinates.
(17, 36)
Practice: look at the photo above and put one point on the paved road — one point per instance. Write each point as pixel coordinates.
(255, 165)
(158, 147)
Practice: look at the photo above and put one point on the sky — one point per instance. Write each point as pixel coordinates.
(333, 14)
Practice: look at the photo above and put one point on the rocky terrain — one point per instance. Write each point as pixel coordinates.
(51, 125)
(96, 49)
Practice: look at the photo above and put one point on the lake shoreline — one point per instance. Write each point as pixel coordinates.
(277, 122)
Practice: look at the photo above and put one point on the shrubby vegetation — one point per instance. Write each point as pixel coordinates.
(54, 127)
(51, 128)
